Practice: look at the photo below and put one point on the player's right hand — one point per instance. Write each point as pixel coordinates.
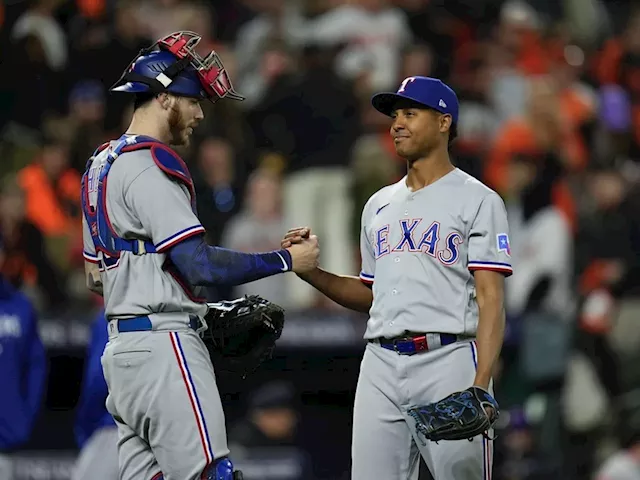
(305, 254)
(295, 235)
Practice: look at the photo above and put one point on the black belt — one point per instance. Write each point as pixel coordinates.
(413, 344)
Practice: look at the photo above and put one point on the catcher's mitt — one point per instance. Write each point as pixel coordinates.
(460, 416)
(242, 333)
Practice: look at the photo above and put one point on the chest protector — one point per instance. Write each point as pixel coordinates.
(105, 239)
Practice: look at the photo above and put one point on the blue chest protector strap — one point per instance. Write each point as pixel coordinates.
(94, 183)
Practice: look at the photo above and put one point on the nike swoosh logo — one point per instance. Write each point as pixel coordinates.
(285, 267)
(380, 209)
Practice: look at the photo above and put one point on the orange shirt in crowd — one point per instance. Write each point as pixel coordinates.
(534, 57)
(517, 138)
(43, 200)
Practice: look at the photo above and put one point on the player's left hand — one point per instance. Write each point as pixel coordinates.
(295, 235)
(461, 415)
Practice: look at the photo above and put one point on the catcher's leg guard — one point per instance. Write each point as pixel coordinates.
(222, 469)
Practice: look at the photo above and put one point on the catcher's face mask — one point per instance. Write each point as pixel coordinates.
(210, 70)
(172, 65)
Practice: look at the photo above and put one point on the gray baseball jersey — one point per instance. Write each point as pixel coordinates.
(162, 386)
(142, 202)
(419, 250)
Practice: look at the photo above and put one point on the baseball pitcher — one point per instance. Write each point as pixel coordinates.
(145, 253)
(435, 251)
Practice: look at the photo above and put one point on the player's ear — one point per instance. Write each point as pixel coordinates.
(166, 101)
(445, 123)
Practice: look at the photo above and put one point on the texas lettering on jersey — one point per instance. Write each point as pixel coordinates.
(415, 238)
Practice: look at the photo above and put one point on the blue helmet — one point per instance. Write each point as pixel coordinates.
(172, 65)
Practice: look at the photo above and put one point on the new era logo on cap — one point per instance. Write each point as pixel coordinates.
(427, 91)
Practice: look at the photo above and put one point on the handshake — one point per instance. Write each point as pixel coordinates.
(304, 249)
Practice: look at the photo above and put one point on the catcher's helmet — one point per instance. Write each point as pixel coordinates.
(172, 65)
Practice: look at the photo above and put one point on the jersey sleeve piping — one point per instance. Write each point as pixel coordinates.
(178, 237)
(366, 278)
(90, 257)
(504, 268)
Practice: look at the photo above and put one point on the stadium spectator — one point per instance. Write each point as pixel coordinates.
(27, 265)
(263, 44)
(370, 34)
(99, 52)
(618, 63)
(217, 191)
(40, 21)
(542, 130)
(268, 432)
(316, 137)
(23, 371)
(52, 191)
(258, 227)
(83, 128)
(541, 239)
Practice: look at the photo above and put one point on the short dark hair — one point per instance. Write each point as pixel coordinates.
(142, 99)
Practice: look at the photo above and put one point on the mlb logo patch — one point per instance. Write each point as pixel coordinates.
(503, 243)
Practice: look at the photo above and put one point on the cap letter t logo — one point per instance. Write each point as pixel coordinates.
(404, 83)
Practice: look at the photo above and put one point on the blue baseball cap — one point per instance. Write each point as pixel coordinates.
(429, 92)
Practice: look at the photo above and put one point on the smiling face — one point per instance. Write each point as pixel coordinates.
(417, 131)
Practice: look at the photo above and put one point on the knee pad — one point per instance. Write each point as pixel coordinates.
(221, 469)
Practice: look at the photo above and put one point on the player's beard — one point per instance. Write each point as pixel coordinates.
(178, 128)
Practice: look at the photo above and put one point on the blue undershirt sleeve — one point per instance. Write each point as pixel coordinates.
(205, 265)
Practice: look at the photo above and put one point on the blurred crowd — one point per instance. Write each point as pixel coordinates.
(549, 118)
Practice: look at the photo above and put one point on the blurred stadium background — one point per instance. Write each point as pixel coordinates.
(550, 118)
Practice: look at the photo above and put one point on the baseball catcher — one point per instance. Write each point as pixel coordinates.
(242, 333)
(461, 415)
(145, 252)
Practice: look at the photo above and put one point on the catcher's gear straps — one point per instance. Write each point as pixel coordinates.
(104, 237)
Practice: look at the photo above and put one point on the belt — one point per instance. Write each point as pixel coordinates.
(413, 345)
(143, 324)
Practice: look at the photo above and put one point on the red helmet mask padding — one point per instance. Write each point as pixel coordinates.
(211, 72)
